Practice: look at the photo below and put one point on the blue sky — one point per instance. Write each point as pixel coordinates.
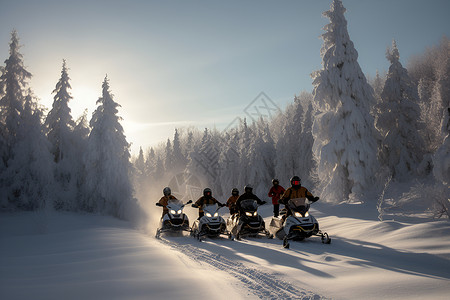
(200, 63)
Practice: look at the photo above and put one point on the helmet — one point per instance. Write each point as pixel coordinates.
(167, 191)
(207, 192)
(235, 192)
(275, 181)
(296, 181)
(248, 188)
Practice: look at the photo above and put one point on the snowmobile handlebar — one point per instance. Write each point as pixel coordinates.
(159, 204)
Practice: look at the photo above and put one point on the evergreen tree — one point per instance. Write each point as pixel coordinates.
(13, 86)
(398, 116)
(108, 185)
(441, 159)
(344, 135)
(23, 178)
(168, 159)
(179, 160)
(262, 156)
(60, 126)
(59, 120)
(30, 168)
(229, 160)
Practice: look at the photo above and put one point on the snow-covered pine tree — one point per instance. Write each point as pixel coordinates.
(378, 84)
(441, 158)
(245, 140)
(344, 135)
(30, 168)
(60, 125)
(179, 160)
(13, 86)
(168, 159)
(80, 141)
(108, 183)
(25, 150)
(398, 120)
(139, 164)
(307, 163)
(229, 160)
(262, 158)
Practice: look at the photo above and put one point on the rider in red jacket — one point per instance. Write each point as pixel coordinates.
(275, 192)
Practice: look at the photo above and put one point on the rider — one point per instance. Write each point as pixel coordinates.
(248, 194)
(165, 200)
(275, 192)
(296, 191)
(207, 198)
(231, 202)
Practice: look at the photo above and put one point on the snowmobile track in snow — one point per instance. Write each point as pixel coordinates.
(263, 285)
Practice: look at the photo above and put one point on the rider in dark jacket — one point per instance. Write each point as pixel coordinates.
(207, 198)
(248, 194)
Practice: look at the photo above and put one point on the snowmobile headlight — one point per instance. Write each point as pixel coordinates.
(255, 213)
(173, 212)
(208, 215)
(248, 214)
(306, 214)
(179, 211)
(216, 214)
(298, 215)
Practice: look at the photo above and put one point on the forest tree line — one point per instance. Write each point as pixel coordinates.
(344, 140)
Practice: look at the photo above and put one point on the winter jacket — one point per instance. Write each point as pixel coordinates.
(292, 193)
(275, 192)
(246, 196)
(231, 202)
(205, 200)
(164, 201)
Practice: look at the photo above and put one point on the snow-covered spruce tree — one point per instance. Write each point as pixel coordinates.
(431, 71)
(108, 183)
(377, 85)
(179, 160)
(24, 178)
(13, 86)
(229, 161)
(398, 120)
(168, 159)
(306, 157)
(80, 141)
(262, 158)
(30, 167)
(246, 138)
(345, 146)
(60, 125)
(288, 144)
(441, 158)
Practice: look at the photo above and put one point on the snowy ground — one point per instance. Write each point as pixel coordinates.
(70, 256)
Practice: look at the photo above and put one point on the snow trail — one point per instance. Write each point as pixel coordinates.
(263, 285)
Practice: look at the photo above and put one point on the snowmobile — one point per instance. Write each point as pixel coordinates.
(211, 224)
(174, 220)
(247, 223)
(299, 225)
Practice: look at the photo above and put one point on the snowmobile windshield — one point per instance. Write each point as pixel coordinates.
(210, 208)
(249, 205)
(299, 204)
(175, 202)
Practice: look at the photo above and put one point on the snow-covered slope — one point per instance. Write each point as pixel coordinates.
(70, 256)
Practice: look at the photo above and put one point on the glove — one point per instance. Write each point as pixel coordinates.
(315, 199)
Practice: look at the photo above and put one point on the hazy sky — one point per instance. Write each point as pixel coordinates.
(200, 63)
